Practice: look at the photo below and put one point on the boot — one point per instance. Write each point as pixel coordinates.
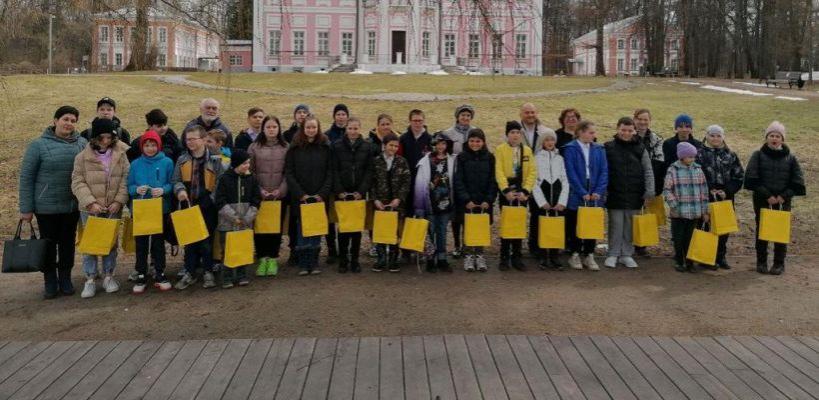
(504, 264)
(64, 282)
(355, 266)
(343, 263)
(761, 262)
(392, 262)
(777, 269)
(51, 285)
(517, 263)
(431, 266)
(381, 262)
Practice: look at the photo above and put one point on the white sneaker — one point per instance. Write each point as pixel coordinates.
(628, 262)
(187, 280)
(469, 263)
(574, 261)
(208, 281)
(480, 263)
(611, 262)
(589, 262)
(89, 290)
(110, 285)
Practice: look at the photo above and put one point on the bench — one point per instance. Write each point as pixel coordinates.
(791, 78)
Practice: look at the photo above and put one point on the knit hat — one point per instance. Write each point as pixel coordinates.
(685, 150)
(775, 126)
(464, 107)
(66, 110)
(513, 125)
(715, 130)
(337, 108)
(304, 107)
(683, 119)
(238, 157)
(441, 137)
(548, 133)
(107, 100)
(150, 135)
(100, 126)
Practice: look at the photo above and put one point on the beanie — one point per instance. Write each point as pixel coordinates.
(238, 157)
(304, 107)
(513, 125)
(685, 150)
(340, 107)
(548, 133)
(683, 119)
(66, 110)
(107, 100)
(150, 135)
(100, 126)
(775, 126)
(715, 130)
(464, 107)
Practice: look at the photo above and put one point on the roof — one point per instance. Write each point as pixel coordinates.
(608, 28)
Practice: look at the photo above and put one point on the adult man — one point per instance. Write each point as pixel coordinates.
(209, 120)
(532, 128)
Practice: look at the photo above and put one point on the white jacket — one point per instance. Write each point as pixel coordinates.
(550, 168)
(421, 201)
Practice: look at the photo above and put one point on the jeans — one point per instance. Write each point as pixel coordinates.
(233, 274)
(681, 231)
(61, 231)
(89, 262)
(576, 245)
(437, 232)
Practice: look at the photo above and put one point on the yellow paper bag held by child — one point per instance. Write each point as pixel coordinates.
(476, 230)
(657, 207)
(238, 248)
(99, 236)
(269, 218)
(513, 222)
(590, 223)
(703, 247)
(775, 225)
(313, 219)
(351, 214)
(645, 231)
(723, 218)
(128, 240)
(147, 216)
(189, 225)
(551, 233)
(385, 227)
(414, 234)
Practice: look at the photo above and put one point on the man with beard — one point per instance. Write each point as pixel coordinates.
(209, 120)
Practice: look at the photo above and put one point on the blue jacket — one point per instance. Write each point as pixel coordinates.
(576, 171)
(155, 172)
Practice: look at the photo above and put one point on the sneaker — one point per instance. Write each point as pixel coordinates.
(373, 252)
(457, 253)
(480, 263)
(555, 263)
(110, 284)
(574, 261)
(304, 272)
(589, 263)
(469, 263)
(272, 267)
(395, 268)
(723, 265)
(315, 271)
(208, 281)
(227, 284)
(133, 276)
(186, 280)
(777, 269)
(140, 285)
(378, 267)
(679, 267)
(89, 289)
(355, 266)
(244, 281)
(628, 262)
(343, 265)
(543, 264)
(762, 267)
(181, 274)
(642, 252)
(610, 262)
(261, 269)
(162, 283)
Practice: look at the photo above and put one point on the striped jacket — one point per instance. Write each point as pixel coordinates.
(686, 191)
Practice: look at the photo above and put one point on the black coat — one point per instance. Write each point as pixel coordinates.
(290, 133)
(563, 138)
(308, 171)
(243, 141)
(670, 148)
(352, 166)
(413, 150)
(722, 169)
(170, 146)
(474, 178)
(774, 173)
(627, 174)
(227, 190)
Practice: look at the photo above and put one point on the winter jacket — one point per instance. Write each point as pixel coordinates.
(552, 184)
(89, 182)
(122, 133)
(475, 178)
(722, 169)
(537, 143)
(580, 183)
(183, 173)
(563, 138)
(215, 124)
(243, 140)
(335, 133)
(308, 171)
(237, 197)
(631, 179)
(45, 174)
(686, 191)
(458, 137)
(421, 200)
(154, 172)
(375, 142)
(413, 149)
(670, 148)
(506, 176)
(352, 164)
(267, 165)
(391, 184)
(170, 146)
(291, 132)
(774, 173)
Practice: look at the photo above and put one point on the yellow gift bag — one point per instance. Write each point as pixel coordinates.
(775, 225)
(703, 247)
(147, 216)
(99, 235)
(238, 248)
(513, 222)
(385, 227)
(590, 223)
(644, 230)
(414, 234)
(476, 230)
(313, 219)
(352, 215)
(128, 241)
(657, 207)
(551, 232)
(269, 218)
(723, 218)
(189, 225)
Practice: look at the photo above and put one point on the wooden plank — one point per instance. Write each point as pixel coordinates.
(292, 383)
(581, 373)
(367, 367)
(561, 378)
(248, 370)
(790, 356)
(463, 374)
(10, 349)
(416, 381)
(195, 378)
(510, 371)
(317, 384)
(150, 372)
(684, 382)
(391, 372)
(751, 378)
(33, 367)
(440, 375)
(176, 370)
(21, 358)
(810, 342)
(779, 364)
(94, 378)
(688, 363)
(267, 382)
(652, 373)
(122, 376)
(803, 351)
(713, 386)
(342, 382)
(623, 367)
(224, 370)
(53, 371)
(716, 368)
(58, 388)
(536, 377)
(489, 378)
(607, 376)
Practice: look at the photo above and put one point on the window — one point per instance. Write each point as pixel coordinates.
(236, 59)
(275, 42)
(298, 43)
(497, 46)
(163, 35)
(621, 44)
(620, 62)
(474, 45)
(149, 36)
(118, 59)
(324, 43)
(520, 46)
(119, 32)
(160, 60)
(425, 44)
(634, 65)
(371, 43)
(449, 45)
(634, 44)
(104, 59)
(104, 34)
(347, 43)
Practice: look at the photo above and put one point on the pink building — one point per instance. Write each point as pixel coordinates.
(494, 36)
(237, 56)
(623, 48)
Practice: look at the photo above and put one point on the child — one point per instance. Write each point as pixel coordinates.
(588, 175)
(683, 129)
(194, 178)
(475, 188)
(353, 164)
(434, 196)
(515, 174)
(686, 193)
(98, 181)
(237, 199)
(150, 177)
(551, 192)
(653, 144)
(724, 175)
(391, 186)
(775, 177)
(267, 156)
(464, 114)
(107, 109)
(247, 136)
(157, 121)
(215, 141)
(631, 184)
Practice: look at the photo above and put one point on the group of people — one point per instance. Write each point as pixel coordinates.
(67, 176)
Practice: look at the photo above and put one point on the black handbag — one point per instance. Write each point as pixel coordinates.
(24, 255)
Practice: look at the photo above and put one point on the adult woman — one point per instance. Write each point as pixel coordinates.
(569, 118)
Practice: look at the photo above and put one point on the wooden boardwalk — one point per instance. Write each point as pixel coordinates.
(429, 367)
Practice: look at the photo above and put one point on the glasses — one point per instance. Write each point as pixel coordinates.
(417, 120)
(190, 139)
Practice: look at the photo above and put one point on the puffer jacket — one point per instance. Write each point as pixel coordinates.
(722, 169)
(774, 173)
(122, 134)
(90, 184)
(552, 184)
(308, 171)
(631, 179)
(267, 165)
(335, 133)
(475, 178)
(237, 197)
(421, 200)
(353, 166)
(391, 184)
(45, 173)
(155, 172)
